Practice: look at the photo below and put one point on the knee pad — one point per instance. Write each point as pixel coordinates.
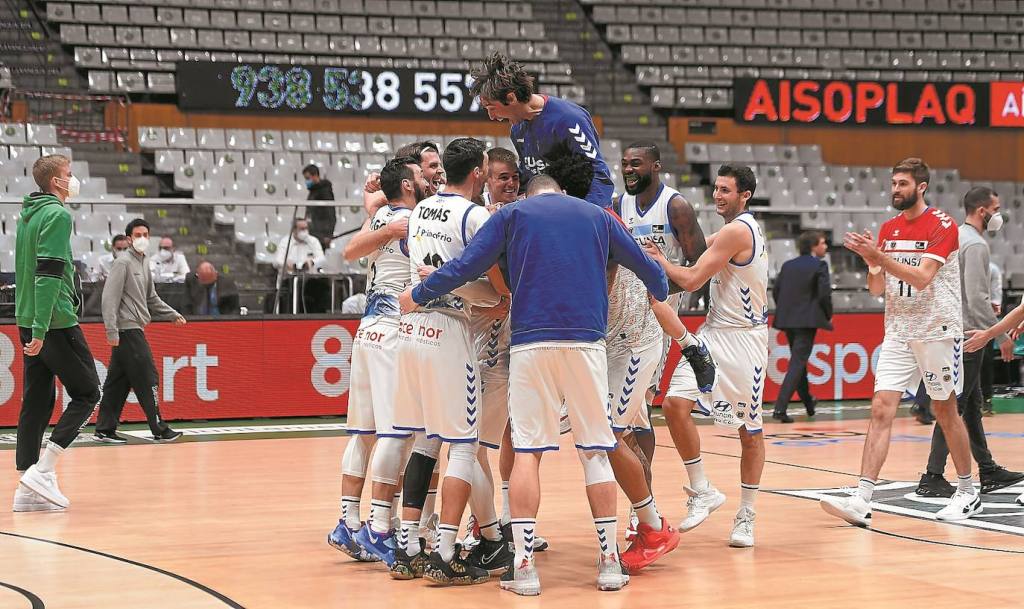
(357, 455)
(387, 460)
(462, 462)
(596, 467)
(417, 480)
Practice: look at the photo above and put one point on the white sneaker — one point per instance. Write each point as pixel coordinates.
(564, 425)
(610, 574)
(1020, 499)
(429, 532)
(27, 500)
(700, 505)
(470, 540)
(45, 484)
(523, 580)
(961, 507)
(852, 509)
(539, 544)
(743, 529)
(633, 523)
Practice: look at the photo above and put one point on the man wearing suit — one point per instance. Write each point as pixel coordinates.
(803, 304)
(210, 293)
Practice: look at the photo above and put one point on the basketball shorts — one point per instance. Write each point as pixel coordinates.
(741, 355)
(629, 374)
(541, 376)
(371, 394)
(438, 380)
(903, 364)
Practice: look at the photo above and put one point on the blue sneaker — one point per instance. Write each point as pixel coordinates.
(380, 547)
(342, 538)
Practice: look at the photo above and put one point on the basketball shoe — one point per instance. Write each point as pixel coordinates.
(702, 364)
(381, 547)
(743, 529)
(472, 538)
(44, 484)
(343, 539)
(27, 500)
(521, 579)
(649, 545)
(631, 529)
(406, 567)
(851, 508)
(611, 575)
(961, 507)
(455, 572)
(492, 555)
(700, 505)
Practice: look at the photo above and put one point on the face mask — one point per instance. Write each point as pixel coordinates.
(309, 184)
(74, 187)
(115, 254)
(994, 222)
(165, 254)
(141, 244)
(302, 235)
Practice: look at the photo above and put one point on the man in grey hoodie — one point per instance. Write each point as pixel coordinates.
(130, 302)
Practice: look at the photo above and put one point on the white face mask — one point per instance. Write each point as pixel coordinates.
(995, 222)
(302, 235)
(74, 186)
(165, 255)
(140, 244)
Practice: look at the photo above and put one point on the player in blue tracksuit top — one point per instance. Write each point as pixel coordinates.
(557, 248)
(541, 125)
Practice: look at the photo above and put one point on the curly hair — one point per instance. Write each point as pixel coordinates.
(573, 171)
(499, 76)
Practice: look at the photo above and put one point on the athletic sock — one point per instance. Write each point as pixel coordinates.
(408, 539)
(647, 513)
(380, 516)
(491, 532)
(748, 492)
(396, 505)
(350, 512)
(48, 459)
(687, 339)
(695, 471)
(506, 513)
(964, 484)
(866, 488)
(428, 508)
(522, 537)
(607, 534)
(446, 543)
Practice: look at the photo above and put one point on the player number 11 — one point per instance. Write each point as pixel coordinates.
(906, 289)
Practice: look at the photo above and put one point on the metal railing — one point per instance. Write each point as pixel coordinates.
(79, 118)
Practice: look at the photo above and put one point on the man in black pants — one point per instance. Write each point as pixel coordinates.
(46, 310)
(130, 302)
(803, 304)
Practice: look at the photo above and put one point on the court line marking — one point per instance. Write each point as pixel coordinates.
(37, 603)
(221, 597)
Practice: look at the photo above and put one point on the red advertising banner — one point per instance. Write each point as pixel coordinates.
(291, 368)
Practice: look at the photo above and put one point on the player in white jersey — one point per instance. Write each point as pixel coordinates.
(428, 155)
(915, 264)
(371, 407)
(736, 330)
(439, 381)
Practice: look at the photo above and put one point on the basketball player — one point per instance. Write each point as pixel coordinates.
(374, 351)
(540, 123)
(439, 382)
(658, 214)
(427, 154)
(915, 264)
(502, 178)
(557, 262)
(736, 330)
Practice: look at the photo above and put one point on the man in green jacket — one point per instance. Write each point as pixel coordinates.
(46, 308)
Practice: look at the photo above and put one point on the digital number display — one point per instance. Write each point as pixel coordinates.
(272, 88)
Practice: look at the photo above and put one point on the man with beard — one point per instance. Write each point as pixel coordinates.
(428, 155)
(915, 264)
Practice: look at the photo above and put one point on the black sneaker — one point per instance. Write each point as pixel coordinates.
(703, 365)
(782, 417)
(923, 414)
(456, 572)
(811, 407)
(986, 409)
(492, 555)
(168, 435)
(1000, 477)
(934, 485)
(111, 437)
(409, 568)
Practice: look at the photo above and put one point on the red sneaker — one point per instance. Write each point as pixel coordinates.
(649, 546)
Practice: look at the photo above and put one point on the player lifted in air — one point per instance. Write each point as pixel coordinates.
(914, 263)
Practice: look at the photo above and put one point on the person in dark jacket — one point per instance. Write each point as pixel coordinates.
(803, 304)
(210, 293)
(322, 218)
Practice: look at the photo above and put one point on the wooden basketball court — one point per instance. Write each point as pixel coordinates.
(243, 524)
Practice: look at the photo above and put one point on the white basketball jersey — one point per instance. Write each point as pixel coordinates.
(439, 229)
(739, 292)
(653, 225)
(389, 266)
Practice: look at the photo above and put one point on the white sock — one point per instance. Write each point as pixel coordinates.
(866, 488)
(747, 494)
(647, 513)
(695, 471)
(380, 516)
(607, 535)
(446, 543)
(396, 505)
(428, 508)
(523, 536)
(964, 484)
(48, 459)
(506, 512)
(408, 537)
(687, 339)
(491, 532)
(350, 512)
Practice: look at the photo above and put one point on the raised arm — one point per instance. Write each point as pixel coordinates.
(625, 251)
(482, 252)
(368, 240)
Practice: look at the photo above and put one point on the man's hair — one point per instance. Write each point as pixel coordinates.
(573, 171)
(745, 179)
(295, 222)
(391, 176)
(649, 148)
(416, 150)
(461, 156)
(312, 170)
(499, 76)
(541, 182)
(113, 242)
(807, 240)
(917, 169)
(136, 222)
(978, 197)
(46, 168)
(502, 155)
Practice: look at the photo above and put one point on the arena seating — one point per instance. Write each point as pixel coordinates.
(22, 144)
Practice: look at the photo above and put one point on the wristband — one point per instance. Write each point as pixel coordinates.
(874, 270)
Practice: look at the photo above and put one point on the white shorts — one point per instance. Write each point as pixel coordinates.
(902, 364)
(438, 380)
(541, 376)
(741, 355)
(371, 394)
(630, 371)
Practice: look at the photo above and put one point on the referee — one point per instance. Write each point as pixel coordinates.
(130, 302)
